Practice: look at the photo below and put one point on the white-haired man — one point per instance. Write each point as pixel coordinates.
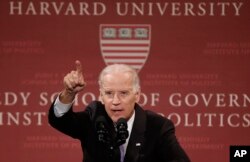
(147, 137)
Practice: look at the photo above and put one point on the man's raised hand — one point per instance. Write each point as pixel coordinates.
(73, 83)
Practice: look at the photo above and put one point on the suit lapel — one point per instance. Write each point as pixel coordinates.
(136, 140)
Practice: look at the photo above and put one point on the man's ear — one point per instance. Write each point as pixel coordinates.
(138, 95)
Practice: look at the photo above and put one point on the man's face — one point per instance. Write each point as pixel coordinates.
(118, 95)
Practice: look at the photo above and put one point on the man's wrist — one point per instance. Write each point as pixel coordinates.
(67, 96)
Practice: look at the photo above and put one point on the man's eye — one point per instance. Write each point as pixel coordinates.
(108, 93)
(124, 93)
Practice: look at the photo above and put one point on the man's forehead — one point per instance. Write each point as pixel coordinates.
(117, 81)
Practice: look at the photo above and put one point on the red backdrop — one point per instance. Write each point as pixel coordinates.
(193, 60)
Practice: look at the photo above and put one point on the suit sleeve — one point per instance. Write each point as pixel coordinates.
(74, 124)
(170, 149)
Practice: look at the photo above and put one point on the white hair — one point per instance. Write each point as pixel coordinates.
(120, 68)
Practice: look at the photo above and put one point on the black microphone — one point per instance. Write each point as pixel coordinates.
(101, 129)
(122, 132)
(105, 137)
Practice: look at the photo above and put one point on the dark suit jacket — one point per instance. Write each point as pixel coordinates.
(152, 138)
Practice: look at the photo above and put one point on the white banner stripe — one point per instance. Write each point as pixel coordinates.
(125, 60)
(125, 41)
(126, 48)
(124, 54)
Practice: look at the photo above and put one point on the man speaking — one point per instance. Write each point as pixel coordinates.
(116, 128)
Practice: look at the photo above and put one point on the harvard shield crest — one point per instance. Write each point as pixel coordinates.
(125, 43)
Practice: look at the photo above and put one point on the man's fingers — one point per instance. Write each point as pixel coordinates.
(74, 81)
(68, 82)
(78, 67)
(80, 80)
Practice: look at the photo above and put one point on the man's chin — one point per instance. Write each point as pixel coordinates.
(117, 117)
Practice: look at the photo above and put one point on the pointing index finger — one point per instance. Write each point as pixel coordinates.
(78, 67)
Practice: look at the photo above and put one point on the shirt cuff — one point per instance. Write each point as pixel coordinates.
(60, 108)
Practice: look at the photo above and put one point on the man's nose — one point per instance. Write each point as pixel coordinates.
(116, 99)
